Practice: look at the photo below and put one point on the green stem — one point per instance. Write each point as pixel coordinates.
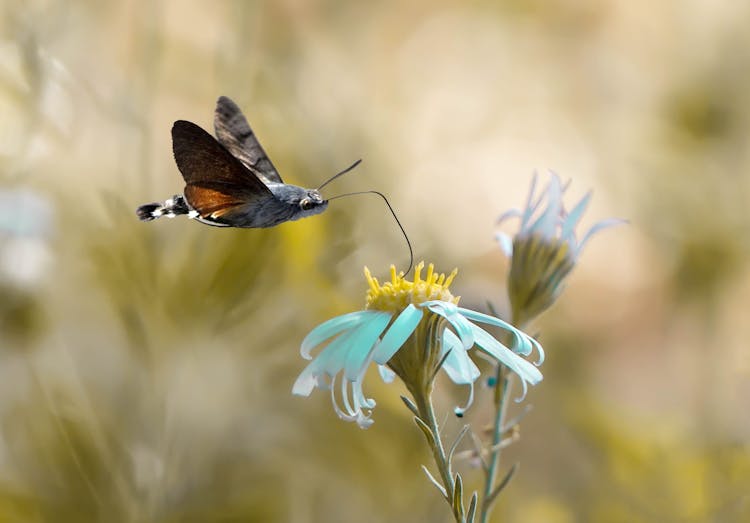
(502, 384)
(427, 414)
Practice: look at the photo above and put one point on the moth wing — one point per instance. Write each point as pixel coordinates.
(234, 133)
(213, 200)
(216, 182)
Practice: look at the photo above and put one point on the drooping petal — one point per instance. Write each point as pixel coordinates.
(363, 341)
(358, 404)
(572, 219)
(330, 328)
(506, 243)
(460, 411)
(328, 363)
(457, 365)
(598, 226)
(348, 413)
(399, 331)
(449, 311)
(525, 370)
(360, 400)
(507, 215)
(523, 343)
(386, 374)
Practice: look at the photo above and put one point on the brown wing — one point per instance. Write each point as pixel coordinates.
(234, 133)
(215, 180)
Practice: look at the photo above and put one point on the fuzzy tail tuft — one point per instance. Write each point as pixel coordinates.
(174, 206)
(147, 212)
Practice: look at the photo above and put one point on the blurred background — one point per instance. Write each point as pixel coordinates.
(146, 369)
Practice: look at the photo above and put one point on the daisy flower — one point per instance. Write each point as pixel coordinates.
(409, 329)
(545, 249)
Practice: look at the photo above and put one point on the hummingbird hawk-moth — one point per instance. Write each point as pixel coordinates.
(231, 182)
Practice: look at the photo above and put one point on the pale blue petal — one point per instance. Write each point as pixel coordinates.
(330, 328)
(350, 414)
(449, 311)
(525, 370)
(362, 342)
(539, 349)
(386, 374)
(360, 400)
(547, 222)
(364, 421)
(399, 331)
(523, 343)
(486, 318)
(572, 219)
(353, 409)
(460, 411)
(506, 243)
(457, 365)
(305, 383)
(328, 363)
(510, 213)
(610, 222)
(566, 185)
(530, 208)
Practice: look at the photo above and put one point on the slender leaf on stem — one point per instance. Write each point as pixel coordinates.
(435, 482)
(502, 485)
(439, 365)
(472, 508)
(506, 442)
(460, 436)
(426, 430)
(458, 495)
(492, 310)
(410, 405)
(479, 450)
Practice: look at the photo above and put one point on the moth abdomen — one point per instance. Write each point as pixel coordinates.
(172, 207)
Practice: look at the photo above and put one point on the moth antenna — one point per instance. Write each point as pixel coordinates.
(406, 237)
(329, 180)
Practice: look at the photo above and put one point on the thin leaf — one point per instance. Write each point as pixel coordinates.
(477, 444)
(472, 508)
(426, 430)
(506, 442)
(410, 405)
(435, 482)
(439, 365)
(492, 310)
(458, 440)
(458, 494)
(502, 485)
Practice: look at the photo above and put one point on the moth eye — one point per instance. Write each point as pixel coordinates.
(306, 204)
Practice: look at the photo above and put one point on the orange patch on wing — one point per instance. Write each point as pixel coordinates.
(210, 202)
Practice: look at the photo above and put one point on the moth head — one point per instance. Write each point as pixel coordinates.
(312, 202)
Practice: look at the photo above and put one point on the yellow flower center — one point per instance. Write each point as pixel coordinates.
(395, 295)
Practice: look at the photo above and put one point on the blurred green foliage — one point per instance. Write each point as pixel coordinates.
(146, 375)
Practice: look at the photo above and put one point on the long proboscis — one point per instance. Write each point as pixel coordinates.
(398, 222)
(342, 173)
